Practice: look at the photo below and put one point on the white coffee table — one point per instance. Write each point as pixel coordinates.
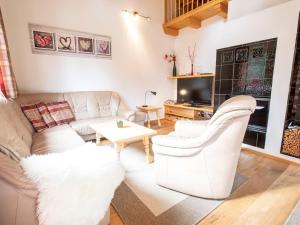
(120, 136)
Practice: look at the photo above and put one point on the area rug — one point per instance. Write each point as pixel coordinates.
(140, 201)
(294, 218)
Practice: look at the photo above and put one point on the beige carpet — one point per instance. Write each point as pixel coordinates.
(139, 201)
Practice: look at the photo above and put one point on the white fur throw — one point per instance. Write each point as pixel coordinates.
(75, 187)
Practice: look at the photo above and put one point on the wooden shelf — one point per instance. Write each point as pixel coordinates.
(194, 17)
(180, 111)
(200, 108)
(202, 75)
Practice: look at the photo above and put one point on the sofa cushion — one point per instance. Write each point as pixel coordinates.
(15, 135)
(48, 119)
(22, 120)
(82, 127)
(61, 112)
(10, 153)
(40, 97)
(34, 116)
(56, 139)
(87, 105)
(18, 194)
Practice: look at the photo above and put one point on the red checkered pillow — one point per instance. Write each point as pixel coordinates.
(34, 116)
(48, 119)
(61, 112)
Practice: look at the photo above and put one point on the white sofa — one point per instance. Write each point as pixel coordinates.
(200, 158)
(17, 193)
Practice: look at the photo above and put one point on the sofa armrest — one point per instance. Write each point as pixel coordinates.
(127, 114)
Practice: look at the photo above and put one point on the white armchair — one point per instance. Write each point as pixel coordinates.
(200, 158)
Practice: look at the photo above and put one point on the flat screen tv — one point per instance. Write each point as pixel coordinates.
(195, 91)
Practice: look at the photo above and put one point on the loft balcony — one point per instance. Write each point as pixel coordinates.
(190, 13)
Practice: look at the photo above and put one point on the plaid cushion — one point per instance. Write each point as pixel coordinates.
(61, 112)
(34, 116)
(48, 119)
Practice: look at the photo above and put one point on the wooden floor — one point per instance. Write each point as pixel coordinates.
(266, 198)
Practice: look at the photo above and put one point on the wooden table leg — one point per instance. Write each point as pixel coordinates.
(148, 118)
(98, 139)
(118, 148)
(158, 120)
(146, 142)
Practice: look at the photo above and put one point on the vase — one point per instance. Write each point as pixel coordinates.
(174, 70)
(192, 69)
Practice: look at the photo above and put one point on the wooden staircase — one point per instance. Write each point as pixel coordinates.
(190, 13)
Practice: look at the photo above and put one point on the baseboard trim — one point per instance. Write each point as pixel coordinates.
(270, 156)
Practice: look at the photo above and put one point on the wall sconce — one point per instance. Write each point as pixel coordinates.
(136, 14)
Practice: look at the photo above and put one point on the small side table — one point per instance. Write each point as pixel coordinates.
(149, 109)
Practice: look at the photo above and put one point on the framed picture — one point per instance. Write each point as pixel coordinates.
(43, 40)
(66, 42)
(85, 45)
(49, 40)
(103, 47)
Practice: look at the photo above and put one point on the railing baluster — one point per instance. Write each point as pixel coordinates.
(176, 8)
(180, 1)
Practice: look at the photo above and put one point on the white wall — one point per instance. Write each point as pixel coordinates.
(239, 8)
(138, 48)
(279, 21)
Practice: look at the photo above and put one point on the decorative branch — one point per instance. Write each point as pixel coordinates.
(192, 54)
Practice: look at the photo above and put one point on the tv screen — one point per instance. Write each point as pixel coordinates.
(196, 91)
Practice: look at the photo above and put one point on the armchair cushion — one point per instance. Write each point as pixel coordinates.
(191, 128)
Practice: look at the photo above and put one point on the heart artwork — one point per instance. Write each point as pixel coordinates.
(65, 42)
(103, 46)
(85, 44)
(43, 40)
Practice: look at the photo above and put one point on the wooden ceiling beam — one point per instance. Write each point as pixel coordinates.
(193, 22)
(170, 31)
(224, 9)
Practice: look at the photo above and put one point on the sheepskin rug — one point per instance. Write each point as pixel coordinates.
(75, 187)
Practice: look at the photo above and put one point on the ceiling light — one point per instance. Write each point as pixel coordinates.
(136, 14)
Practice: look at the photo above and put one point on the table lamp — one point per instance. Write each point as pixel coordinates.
(148, 92)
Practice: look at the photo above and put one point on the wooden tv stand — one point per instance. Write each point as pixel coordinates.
(180, 111)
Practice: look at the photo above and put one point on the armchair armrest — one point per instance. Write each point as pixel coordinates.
(176, 141)
(175, 152)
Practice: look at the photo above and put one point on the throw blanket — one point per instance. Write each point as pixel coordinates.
(75, 187)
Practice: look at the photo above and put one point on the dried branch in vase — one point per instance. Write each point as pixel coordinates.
(192, 56)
